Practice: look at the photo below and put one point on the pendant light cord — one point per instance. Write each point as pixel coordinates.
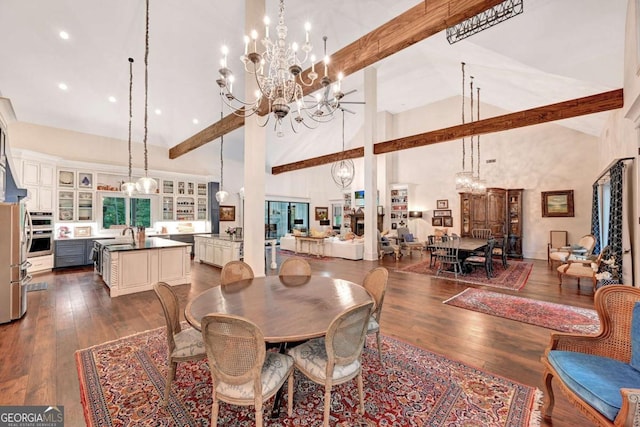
(146, 89)
(463, 143)
(130, 109)
(478, 136)
(471, 85)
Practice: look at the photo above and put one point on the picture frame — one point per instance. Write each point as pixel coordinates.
(442, 204)
(442, 212)
(557, 203)
(227, 213)
(436, 221)
(447, 221)
(322, 213)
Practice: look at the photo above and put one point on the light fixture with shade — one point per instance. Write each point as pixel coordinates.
(146, 185)
(343, 170)
(129, 187)
(221, 194)
(279, 76)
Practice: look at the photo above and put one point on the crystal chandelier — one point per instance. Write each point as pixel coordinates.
(343, 170)
(464, 178)
(278, 74)
(129, 187)
(146, 185)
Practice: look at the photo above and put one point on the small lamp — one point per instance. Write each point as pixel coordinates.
(415, 214)
(325, 222)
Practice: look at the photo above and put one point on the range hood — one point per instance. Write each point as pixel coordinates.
(12, 192)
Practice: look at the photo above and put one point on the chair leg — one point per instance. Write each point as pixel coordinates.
(214, 410)
(361, 392)
(290, 393)
(380, 347)
(327, 404)
(170, 376)
(549, 399)
(258, 405)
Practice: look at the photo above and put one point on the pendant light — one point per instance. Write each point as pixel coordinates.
(343, 170)
(221, 195)
(146, 185)
(129, 187)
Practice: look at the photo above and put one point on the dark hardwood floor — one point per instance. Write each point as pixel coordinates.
(75, 312)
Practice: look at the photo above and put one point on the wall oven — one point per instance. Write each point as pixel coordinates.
(42, 234)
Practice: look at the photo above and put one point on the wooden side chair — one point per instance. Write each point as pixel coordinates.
(242, 371)
(447, 256)
(558, 239)
(600, 374)
(500, 250)
(235, 271)
(485, 260)
(481, 233)
(295, 266)
(375, 282)
(183, 344)
(335, 359)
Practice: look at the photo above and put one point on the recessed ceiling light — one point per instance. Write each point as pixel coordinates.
(195, 121)
(112, 99)
(64, 35)
(158, 111)
(63, 86)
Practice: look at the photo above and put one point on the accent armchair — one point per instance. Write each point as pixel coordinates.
(558, 239)
(582, 268)
(600, 374)
(584, 248)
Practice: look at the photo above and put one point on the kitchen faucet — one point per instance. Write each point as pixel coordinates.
(133, 236)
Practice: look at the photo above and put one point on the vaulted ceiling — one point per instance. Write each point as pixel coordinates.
(554, 51)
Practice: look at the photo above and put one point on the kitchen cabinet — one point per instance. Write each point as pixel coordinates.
(75, 205)
(216, 251)
(72, 252)
(38, 179)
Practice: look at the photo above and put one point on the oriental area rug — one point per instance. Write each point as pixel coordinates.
(514, 277)
(559, 317)
(122, 384)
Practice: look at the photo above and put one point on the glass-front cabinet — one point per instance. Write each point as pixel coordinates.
(167, 208)
(66, 205)
(85, 205)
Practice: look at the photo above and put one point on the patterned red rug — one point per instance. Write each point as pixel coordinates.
(563, 318)
(514, 277)
(122, 384)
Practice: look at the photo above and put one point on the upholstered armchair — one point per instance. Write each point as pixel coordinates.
(600, 374)
(386, 248)
(584, 248)
(582, 268)
(558, 242)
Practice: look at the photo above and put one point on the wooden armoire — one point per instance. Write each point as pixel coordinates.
(499, 210)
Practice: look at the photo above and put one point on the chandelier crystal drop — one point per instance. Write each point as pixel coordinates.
(146, 185)
(280, 79)
(343, 171)
(129, 187)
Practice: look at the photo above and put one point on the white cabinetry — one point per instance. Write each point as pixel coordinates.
(38, 179)
(216, 251)
(76, 195)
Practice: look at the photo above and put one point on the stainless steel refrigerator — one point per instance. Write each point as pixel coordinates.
(14, 243)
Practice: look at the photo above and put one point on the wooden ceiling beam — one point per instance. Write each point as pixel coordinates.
(416, 24)
(605, 101)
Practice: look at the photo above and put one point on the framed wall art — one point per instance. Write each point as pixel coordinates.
(447, 221)
(441, 212)
(322, 213)
(557, 203)
(436, 221)
(227, 213)
(442, 204)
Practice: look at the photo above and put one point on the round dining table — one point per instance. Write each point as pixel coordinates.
(285, 308)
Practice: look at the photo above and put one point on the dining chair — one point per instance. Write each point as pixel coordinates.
(500, 250)
(183, 344)
(485, 261)
(242, 371)
(375, 282)
(481, 233)
(447, 258)
(295, 266)
(335, 359)
(235, 271)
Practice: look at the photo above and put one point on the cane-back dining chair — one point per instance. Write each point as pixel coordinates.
(295, 266)
(242, 371)
(375, 282)
(235, 271)
(600, 373)
(183, 344)
(335, 359)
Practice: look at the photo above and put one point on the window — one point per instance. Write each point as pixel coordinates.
(121, 211)
(283, 217)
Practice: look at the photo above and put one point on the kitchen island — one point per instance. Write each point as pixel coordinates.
(216, 249)
(128, 268)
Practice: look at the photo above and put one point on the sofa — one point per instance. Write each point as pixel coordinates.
(333, 247)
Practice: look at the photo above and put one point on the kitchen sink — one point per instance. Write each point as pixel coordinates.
(121, 247)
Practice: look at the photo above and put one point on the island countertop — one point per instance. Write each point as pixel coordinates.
(149, 243)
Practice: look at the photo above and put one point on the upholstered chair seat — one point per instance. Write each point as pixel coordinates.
(188, 343)
(311, 357)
